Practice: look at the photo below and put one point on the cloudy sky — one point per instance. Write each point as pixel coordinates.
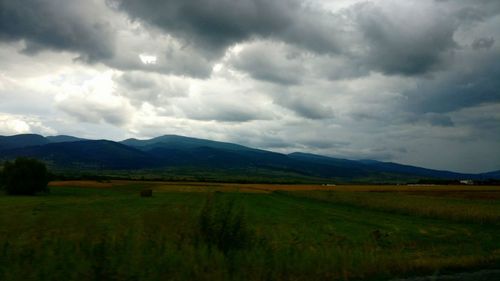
(414, 81)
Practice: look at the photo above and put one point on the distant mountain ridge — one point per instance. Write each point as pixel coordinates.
(63, 138)
(68, 152)
(25, 140)
(88, 154)
(175, 141)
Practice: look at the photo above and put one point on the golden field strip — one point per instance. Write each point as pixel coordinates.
(431, 190)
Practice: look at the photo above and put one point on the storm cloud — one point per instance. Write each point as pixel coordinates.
(214, 25)
(409, 81)
(58, 24)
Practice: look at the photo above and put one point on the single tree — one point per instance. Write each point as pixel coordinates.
(2, 178)
(25, 176)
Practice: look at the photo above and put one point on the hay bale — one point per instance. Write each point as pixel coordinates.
(147, 193)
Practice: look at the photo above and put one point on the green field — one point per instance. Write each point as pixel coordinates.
(196, 231)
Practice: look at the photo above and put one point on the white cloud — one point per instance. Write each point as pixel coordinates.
(93, 99)
(15, 124)
(11, 126)
(148, 59)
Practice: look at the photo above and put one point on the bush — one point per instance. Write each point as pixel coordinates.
(2, 178)
(25, 177)
(222, 225)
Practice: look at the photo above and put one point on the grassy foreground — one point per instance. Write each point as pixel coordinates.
(105, 231)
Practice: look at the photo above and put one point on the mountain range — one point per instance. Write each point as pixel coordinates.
(172, 151)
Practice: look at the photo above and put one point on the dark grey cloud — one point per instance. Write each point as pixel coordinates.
(270, 61)
(472, 81)
(170, 57)
(483, 43)
(223, 113)
(223, 104)
(136, 81)
(365, 37)
(92, 111)
(380, 154)
(305, 106)
(323, 143)
(155, 89)
(368, 36)
(339, 68)
(439, 120)
(419, 45)
(226, 116)
(483, 121)
(471, 11)
(213, 25)
(69, 25)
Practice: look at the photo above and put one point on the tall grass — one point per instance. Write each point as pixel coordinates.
(142, 253)
(459, 210)
(222, 225)
(210, 239)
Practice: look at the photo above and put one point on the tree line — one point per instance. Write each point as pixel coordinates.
(24, 176)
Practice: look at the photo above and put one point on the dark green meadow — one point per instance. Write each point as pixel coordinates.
(106, 231)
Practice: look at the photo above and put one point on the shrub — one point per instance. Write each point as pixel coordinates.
(224, 226)
(2, 178)
(146, 193)
(25, 177)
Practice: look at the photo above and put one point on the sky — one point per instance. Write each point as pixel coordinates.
(414, 81)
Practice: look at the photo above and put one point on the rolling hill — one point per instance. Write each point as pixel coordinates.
(491, 175)
(24, 140)
(181, 142)
(172, 151)
(89, 154)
